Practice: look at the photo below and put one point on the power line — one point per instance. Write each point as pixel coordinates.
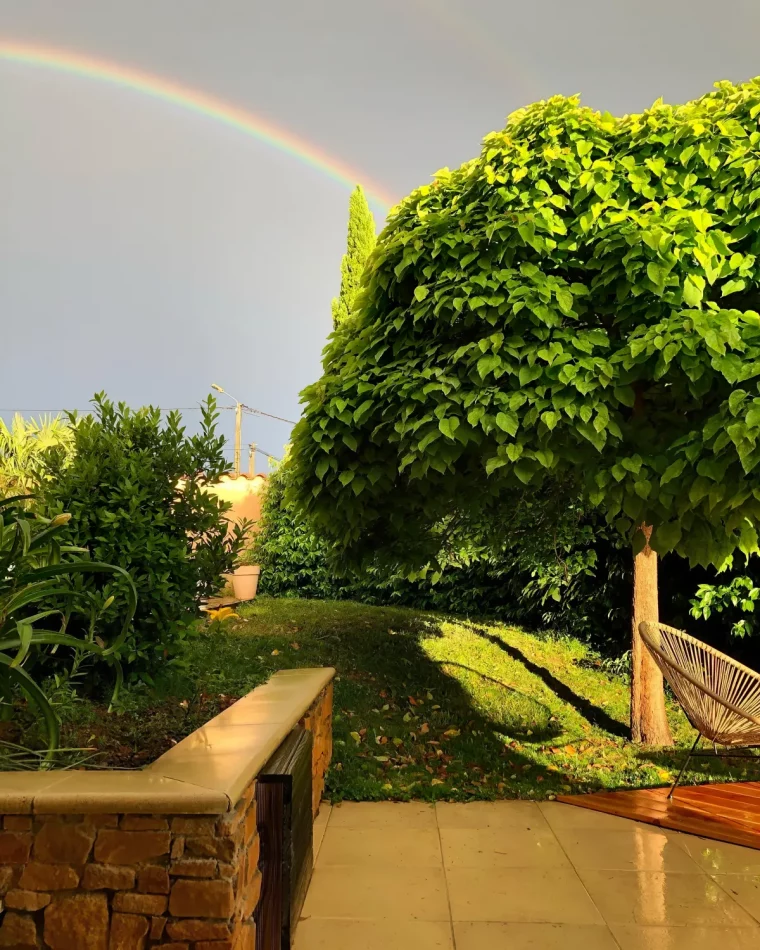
(89, 409)
(248, 409)
(260, 412)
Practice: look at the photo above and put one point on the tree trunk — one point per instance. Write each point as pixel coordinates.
(649, 722)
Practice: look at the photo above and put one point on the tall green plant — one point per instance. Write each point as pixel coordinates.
(38, 599)
(137, 488)
(361, 240)
(577, 303)
(22, 448)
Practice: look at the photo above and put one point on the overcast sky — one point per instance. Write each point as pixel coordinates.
(149, 251)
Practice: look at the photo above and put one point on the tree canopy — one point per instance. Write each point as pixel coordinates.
(572, 306)
(360, 241)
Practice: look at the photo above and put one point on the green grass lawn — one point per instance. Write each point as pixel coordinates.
(425, 706)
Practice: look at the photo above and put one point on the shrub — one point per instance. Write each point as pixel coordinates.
(136, 487)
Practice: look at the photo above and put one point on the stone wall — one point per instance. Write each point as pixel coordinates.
(318, 720)
(135, 881)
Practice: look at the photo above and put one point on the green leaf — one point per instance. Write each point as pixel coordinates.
(448, 426)
(321, 468)
(672, 471)
(346, 477)
(665, 537)
(362, 411)
(642, 487)
(493, 463)
(507, 421)
(733, 286)
(421, 292)
(693, 290)
(487, 364)
(550, 419)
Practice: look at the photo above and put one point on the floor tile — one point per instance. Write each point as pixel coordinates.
(377, 893)
(685, 938)
(376, 847)
(489, 815)
(563, 817)
(715, 857)
(630, 850)
(318, 934)
(496, 936)
(383, 815)
(745, 890)
(652, 898)
(522, 895)
(503, 848)
(320, 826)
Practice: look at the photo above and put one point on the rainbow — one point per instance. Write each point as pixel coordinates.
(194, 101)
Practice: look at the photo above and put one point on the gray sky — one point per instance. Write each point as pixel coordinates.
(149, 251)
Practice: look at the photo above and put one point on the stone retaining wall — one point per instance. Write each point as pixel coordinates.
(133, 881)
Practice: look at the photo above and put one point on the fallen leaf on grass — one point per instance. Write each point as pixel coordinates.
(275, 652)
(437, 781)
(356, 737)
(424, 728)
(452, 733)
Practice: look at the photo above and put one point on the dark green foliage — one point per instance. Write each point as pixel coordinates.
(39, 599)
(136, 490)
(560, 571)
(572, 305)
(294, 562)
(360, 242)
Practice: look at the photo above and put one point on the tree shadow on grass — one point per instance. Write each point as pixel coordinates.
(595, 715)
(407, 725)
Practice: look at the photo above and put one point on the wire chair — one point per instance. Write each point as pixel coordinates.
(721, 698)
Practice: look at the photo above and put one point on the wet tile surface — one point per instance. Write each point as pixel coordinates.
(485, 875)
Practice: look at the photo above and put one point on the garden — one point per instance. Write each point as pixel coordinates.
(539, 406)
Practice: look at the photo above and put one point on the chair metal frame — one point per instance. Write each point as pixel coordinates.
(720, 696)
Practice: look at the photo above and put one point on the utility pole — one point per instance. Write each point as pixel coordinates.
(238, 434)
(252, 459)
(238, 425)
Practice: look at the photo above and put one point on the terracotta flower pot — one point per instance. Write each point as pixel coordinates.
(245, 581)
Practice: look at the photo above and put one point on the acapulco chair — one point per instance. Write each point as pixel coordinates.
(721, 698)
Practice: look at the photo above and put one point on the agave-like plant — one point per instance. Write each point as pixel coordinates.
(35, 580)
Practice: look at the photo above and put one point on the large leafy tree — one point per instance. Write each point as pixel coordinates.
(572, 306)
(360, 242)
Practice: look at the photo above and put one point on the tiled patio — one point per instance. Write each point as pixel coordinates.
(520, 875)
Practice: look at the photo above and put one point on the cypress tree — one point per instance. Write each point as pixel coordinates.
(361, 241)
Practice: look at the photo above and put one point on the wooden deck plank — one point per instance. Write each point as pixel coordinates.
(722, 812)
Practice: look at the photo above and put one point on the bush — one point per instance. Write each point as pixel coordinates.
(136, 488)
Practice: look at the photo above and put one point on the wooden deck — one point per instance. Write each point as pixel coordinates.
(723, 812)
